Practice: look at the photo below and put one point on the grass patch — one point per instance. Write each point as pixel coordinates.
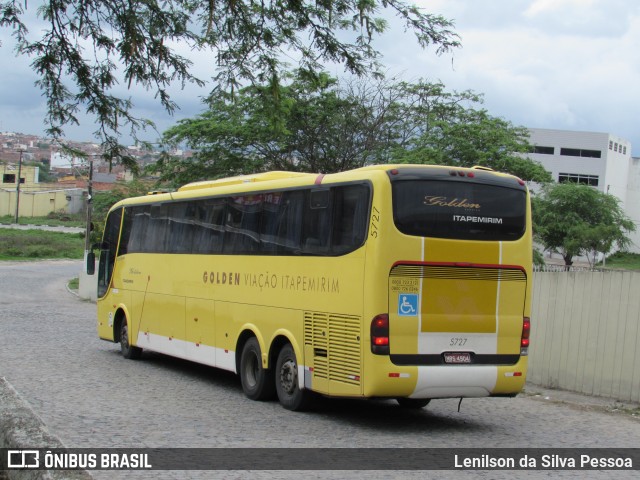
(629, 261)
(74, 283)
(53, 220)
(40, 244)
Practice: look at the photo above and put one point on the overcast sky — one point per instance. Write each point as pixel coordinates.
(561, 64)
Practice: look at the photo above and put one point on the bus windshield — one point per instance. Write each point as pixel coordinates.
(459, 210)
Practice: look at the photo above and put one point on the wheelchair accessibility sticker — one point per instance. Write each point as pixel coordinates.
(408, 305)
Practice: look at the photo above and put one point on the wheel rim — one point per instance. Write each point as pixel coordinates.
(289, 376)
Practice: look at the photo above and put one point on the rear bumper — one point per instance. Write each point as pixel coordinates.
(446, 381)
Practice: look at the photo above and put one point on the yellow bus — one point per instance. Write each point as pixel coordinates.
(409, 282)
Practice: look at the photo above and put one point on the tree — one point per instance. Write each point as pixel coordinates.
(312, 126)
(318, 124)
(574, 219)
(448, 128)
(90, 45)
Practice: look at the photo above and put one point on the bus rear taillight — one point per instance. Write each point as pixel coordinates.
(380, 334)
(524, 340)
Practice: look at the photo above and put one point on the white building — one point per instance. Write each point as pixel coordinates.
(63, 160)
(601, 160)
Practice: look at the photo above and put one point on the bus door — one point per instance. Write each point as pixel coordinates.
(108, 251)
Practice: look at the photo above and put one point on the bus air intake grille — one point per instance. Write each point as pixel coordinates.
(335, 340)
(453, 272)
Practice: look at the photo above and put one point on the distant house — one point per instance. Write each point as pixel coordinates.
(36, 199)
(29, 176)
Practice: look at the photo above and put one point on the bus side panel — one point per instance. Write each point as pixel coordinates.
(226, 336)
(333, 353)
(511, 378)
(200, 330)
(327, 345)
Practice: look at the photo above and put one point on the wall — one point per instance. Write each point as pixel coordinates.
(585, 333)
(40, 204)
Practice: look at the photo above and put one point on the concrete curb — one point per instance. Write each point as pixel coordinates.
(22, 428)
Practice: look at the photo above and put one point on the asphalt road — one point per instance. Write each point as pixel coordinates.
(89, 396)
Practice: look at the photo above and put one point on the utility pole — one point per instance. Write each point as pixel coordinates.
(18, 186)
(87, 241)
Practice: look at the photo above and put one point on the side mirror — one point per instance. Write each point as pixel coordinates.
(91, 263)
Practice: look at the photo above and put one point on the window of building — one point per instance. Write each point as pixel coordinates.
(578, 152)
(591, 180)
(610, 144)
(615, 148)
(543, 150)
(9, 178)
(624, 150)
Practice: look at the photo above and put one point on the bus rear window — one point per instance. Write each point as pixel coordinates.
(459, 210)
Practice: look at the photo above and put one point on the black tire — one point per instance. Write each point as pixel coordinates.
(128, 350)
(413, 403)
(289, 393)
(257, 383)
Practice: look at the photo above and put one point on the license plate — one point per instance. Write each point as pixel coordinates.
(457, 357)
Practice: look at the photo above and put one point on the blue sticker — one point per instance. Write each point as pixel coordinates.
(408, 304)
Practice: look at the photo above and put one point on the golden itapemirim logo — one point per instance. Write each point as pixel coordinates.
(435, 201)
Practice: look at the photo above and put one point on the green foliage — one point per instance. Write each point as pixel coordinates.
(86, 45)
(630, 261)
(54, 219)
(440, 127)
(39, 244)
(44, 173)
(573, 219)
(317, 124)
(538, 258)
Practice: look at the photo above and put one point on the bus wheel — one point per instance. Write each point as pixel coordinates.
(257, 383)
(128, 350)
(413, 403)
(289, 393)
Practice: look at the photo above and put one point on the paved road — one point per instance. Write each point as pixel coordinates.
(91, 397)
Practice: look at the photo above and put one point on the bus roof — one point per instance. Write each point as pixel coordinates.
(257, 177)
(253, 182)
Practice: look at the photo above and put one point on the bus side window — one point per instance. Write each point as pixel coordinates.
(242, 225)
(280, 226)
(350, 208)
(180, 225)
(208, 226)
(125, 235)
(316, 234)
(139, 217)
(158, 229)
